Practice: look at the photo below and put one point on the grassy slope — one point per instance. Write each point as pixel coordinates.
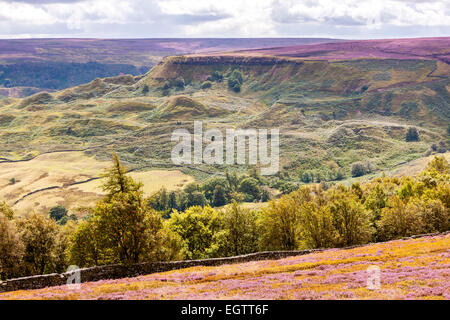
(64, 173)
(409, 269)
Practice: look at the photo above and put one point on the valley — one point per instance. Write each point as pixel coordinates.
(330, 113)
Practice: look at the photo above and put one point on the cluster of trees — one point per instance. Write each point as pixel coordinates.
(60, 215)
(382, 209)
(235, 80)
(361, 168)
(215, 192)
(177, 83)
(125, 228)
(320, 175)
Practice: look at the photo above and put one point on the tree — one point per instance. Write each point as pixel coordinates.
(412, 134)
(58, 212)
(360, 168)
(235, 81)
(317, 225)
(399, 220)
(160, 200)
(6, 210)
(351, 220)
(239, 234)
(85, 249)
(439, 164)
(217, 76)
(38, 235)
(125, 223)
(117, 181)
(196, 226)
(279, 225)
(219, 196)
(250, 187)
(179, 83)
(11, 249)
(172, 203)
(123, 228)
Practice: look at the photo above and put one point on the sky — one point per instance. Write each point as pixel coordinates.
(345, 19)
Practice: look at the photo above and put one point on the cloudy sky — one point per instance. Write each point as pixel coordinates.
(349, 19)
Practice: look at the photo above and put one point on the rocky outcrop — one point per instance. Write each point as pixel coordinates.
(232, 60)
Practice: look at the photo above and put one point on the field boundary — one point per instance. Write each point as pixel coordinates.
(118, 271)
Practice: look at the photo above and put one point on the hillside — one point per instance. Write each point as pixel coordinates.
(31, 65)
(330, 113)
(409, 269)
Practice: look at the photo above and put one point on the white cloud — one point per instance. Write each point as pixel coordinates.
(231, 18)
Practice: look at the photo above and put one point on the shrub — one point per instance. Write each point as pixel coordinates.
(6, 211)
(179, 83)
(58, 212)
(217, 76)
(250, 187)
(235, 81)
(360, 168)
(219, 196)
(412, 134)
(206, 85)
(442, 147)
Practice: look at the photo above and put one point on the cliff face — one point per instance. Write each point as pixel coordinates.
(384, 86)
(236, 60)
(198, 68)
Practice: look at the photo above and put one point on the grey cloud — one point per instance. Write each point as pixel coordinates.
(44, 1)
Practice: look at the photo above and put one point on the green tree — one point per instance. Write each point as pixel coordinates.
(11, 249)
(196, 226)
(279, 225)
(172, 203)
(412, 134)
(235, 81)
(250, 187)
(85, 248)
(219, 196)
(399, 220)
(239, 234)
(124, 222)
(38, 235)
(58, 212)
(351, 220)
(117, 181)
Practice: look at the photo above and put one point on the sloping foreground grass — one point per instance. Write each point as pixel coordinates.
(409, 269)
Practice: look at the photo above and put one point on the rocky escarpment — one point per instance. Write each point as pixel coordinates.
(239, 60)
